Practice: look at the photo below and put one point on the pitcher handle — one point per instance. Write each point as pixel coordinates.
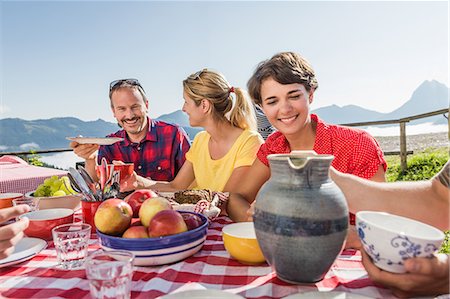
(304, 165)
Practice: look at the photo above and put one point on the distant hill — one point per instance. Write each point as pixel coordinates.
(429, 96)
(347, 114)
(180, 118)
(18, 134)
(22, 135)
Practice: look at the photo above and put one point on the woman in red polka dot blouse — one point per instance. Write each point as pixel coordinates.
(283, 87)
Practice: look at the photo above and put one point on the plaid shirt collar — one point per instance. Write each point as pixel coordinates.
(150, 136)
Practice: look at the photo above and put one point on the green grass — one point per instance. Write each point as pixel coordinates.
(445, 247)
(421, 166)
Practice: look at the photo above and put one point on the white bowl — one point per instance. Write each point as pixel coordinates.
(390, 239)
(71, 201)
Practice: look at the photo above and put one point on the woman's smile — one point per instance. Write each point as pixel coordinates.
(288, 120)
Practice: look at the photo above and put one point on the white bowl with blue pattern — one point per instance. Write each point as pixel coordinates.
(160, 250)
(390, 239)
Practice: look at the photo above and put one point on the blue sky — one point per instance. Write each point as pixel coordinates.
(58, 57)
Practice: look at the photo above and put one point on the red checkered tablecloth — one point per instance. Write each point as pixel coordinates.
(18, 176)
(210, 268)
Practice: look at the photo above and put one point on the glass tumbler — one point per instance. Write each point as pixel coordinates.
(32, 202)
(110, 273)
(71, 244)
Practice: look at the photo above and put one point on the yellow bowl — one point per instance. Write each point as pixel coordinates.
(240, 242)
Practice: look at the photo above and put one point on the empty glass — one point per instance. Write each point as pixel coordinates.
(109, 274)
(71, 244)
(32, 202)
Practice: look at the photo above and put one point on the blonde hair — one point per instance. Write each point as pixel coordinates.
(212, 85)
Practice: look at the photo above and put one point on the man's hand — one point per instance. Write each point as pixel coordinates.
(424, 277)
(352, 241)
(12, 233)
(85, 151)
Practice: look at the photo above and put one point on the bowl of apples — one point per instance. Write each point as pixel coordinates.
(161, 235)
(56, 192)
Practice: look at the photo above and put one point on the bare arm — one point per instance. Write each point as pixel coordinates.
(426, 201)
(244, 192)
(183, 180)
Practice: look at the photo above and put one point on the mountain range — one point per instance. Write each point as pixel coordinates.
(18, 134)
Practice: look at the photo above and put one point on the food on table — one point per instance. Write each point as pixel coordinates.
(137, 198)
(157, 219)
(192, 221)
(54, 186)
(193, 196)
(166, 223)
(136, 232)
(150, 207)
(113, 216)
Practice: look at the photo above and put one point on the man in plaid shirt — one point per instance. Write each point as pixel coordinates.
(156, 148)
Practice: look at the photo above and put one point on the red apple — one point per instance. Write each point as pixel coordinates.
(137, 198)
(192, 221)
(135, 232)
(166, 223)
(113, 216)
(136, 222)
(150, 207)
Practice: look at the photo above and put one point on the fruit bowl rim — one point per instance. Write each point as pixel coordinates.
(205, 223)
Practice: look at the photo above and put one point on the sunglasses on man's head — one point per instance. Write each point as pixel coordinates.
(117, 83)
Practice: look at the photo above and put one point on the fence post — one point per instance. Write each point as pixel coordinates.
(403, 153)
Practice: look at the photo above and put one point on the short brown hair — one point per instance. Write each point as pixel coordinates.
(124, 84)
(285, 68)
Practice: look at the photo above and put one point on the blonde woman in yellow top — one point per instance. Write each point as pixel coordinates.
(222, 154)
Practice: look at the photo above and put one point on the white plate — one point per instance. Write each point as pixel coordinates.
(26, 249)
(95, 140)
(194, 294)
(326, 295)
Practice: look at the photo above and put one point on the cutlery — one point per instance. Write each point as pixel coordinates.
(82, 185)
(88, 179)
(73, 184)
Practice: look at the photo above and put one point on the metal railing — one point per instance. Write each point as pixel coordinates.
(401, 121)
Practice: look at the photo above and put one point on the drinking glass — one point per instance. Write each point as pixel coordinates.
(32, 202)
(109, 274)
(71, 244)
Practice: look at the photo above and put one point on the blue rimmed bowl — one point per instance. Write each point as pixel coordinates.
(161, 250)
(390, 239)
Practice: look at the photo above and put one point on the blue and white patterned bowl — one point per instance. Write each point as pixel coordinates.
(390, 239)
(161, 250)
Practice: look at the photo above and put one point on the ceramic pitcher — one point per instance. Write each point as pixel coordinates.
(301, 217)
